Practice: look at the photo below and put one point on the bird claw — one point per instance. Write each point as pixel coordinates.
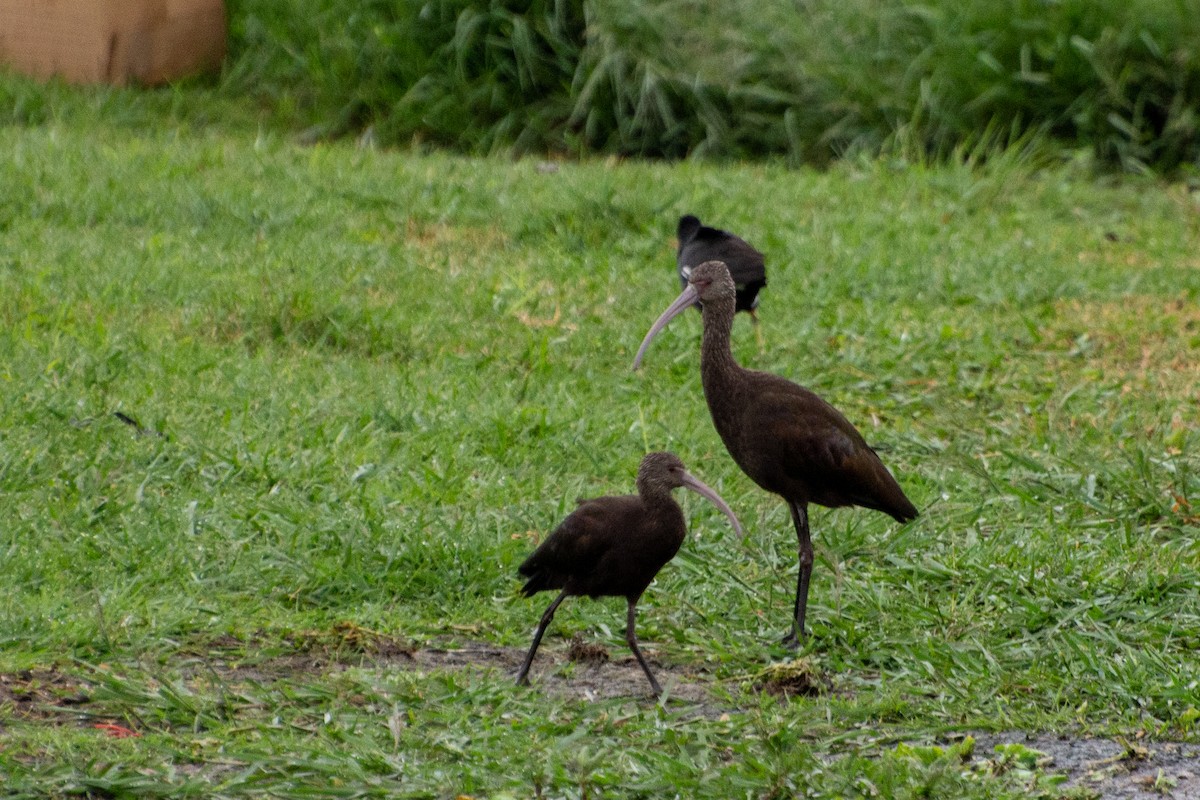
(792, 640)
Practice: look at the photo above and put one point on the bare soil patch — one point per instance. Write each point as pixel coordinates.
(1102, 768)
(580, 670)
(40, 694)
(1113, 770)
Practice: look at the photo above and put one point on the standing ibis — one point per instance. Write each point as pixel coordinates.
(786, 438)
(699, 243)
(614, 546)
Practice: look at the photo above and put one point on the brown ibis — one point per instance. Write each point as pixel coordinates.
(786, 438)
(614, 546)
(699, 243)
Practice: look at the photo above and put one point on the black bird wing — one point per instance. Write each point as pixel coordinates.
(746, 264)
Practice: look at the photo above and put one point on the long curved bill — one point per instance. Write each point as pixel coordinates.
(700, 487)
(686, 299)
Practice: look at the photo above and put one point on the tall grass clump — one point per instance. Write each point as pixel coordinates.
(1120, 78)
(545, 75)
(469, 75)
(809, 81)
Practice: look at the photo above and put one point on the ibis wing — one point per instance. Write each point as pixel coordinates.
(816, 454)
(811, 451)
(579, 543)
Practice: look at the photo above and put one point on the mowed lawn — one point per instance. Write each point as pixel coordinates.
(274, 419)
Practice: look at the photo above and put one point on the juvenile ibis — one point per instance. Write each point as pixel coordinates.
(699, 243)
(786, 438)
(614, 546)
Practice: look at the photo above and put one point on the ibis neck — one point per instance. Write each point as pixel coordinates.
(718, 371)
(653, 492)
(657, 500)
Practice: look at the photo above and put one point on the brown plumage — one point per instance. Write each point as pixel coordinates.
(614, 546)
(786, 438)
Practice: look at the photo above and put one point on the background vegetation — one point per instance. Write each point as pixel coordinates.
(807, 80)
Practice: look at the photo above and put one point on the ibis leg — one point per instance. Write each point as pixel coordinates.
(523, 675)
(804, 545)
(758, 337)
(631, 639)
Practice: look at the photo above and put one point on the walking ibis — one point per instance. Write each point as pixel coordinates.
(614, 546)
(699, 243)
(786, 438)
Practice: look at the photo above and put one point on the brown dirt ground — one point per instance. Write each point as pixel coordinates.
(1112, 770)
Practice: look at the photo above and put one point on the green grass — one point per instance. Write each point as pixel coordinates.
(362, 380)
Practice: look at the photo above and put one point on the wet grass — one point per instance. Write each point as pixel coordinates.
(261, 399)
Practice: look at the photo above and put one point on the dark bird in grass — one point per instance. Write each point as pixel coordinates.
(614, 546)
(699, 243)
(787, 439)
